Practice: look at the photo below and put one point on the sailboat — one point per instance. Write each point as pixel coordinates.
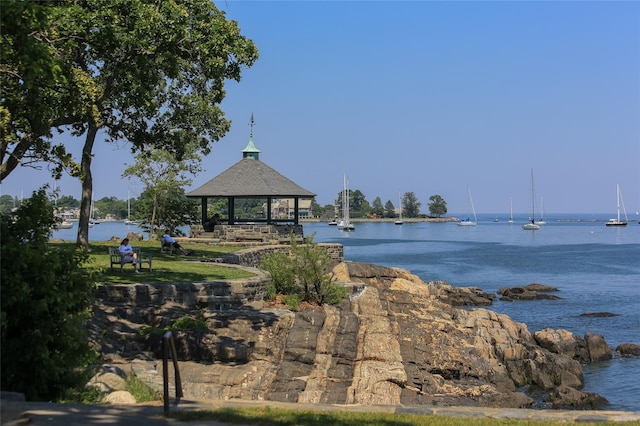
(92, 219)
(618, 222)
(399, 221)
(334, 222)
(510, 210)
(543, 220)
(128, 221)
(345, 224)
(532, 225)
(467, 221)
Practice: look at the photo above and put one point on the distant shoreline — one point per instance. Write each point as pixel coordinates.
(391, 220)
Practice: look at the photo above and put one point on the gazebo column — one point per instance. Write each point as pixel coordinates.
(268, 210)
(231, 207)
(296, 206)
(203, 204)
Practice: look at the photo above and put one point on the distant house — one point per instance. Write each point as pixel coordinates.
(283, 208)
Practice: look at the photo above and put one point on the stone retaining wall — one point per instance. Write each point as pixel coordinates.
(252, 257)
(213, 295)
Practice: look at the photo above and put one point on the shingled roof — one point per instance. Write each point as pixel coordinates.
(250, 177)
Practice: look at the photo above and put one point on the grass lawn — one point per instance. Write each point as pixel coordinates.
(167, 268)
(283, 417)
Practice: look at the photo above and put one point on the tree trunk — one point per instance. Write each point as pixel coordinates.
(87, 189)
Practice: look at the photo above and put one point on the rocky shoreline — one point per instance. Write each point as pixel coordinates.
(396, 341)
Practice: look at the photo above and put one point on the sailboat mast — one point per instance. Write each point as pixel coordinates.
(618, 200)
(533, 200)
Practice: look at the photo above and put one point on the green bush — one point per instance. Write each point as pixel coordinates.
(292, 301)
(188, 323)
(302, 273)
(281, 268)
(47, 293)
(184, 323)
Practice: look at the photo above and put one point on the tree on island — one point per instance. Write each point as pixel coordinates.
(148, 73)
(437, 206)
(377, 208)
(410, 205)
(389, 209)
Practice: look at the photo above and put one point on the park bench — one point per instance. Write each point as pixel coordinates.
(116, 259)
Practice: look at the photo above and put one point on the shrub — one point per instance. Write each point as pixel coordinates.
(282, 271)
(292, 301)
(188, 323)
(303, 273)
(184, 323)
(47, 293)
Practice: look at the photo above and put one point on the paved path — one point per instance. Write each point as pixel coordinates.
(41, 413)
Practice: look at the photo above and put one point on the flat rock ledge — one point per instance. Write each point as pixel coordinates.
(396, 341)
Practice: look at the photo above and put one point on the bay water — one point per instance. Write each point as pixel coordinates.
(595, 268)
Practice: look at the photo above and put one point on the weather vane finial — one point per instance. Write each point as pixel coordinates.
(251, 125)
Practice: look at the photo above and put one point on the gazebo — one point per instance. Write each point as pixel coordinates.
(250, 178)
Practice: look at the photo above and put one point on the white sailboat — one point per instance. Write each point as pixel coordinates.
(399, 221)
(345, 224)
(468, 221)
(617, 221)
(543, 219)
(532, 225)
(128, 221)
(510, 210)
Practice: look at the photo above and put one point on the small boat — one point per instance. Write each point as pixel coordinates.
(334, 222)
(617, 221)
(65, 225)
(399, 221)
(468, 221)
(532, 225)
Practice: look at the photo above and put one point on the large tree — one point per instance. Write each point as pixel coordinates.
(150, 72)
(377, 208)
(163, 202)
(437, 206)
(36, 86)
(410, 205)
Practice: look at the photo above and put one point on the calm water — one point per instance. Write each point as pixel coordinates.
(596, 269)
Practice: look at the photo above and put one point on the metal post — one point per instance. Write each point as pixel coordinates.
(165, 369)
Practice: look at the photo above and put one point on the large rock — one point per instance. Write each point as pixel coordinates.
(529, 292)
(590, 349)
(395, 341)
(628, 349)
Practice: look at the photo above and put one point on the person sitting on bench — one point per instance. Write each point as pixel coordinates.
(128, 255)
(169, 240)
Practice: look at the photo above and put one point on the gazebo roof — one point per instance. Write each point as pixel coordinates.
(251, 178)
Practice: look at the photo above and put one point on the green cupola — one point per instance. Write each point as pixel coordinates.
(251, 151)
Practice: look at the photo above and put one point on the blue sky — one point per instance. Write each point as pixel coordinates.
(429, 97)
